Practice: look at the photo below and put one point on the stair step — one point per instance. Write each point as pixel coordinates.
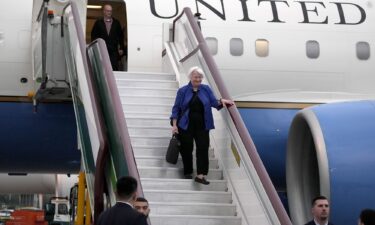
(147, 91)
(177, 208)
(147, 114)
(150, 131)
(194, 220)
(142, 150)
(166, 172)
(145, 83)
(159, 161)
(150, 140)
(147, 99)
(139, 107)
(188, 196)
(132, 120)
(182, 184)
(148, 76)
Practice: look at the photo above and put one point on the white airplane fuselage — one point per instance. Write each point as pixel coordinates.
(268, 52)
(286, 74)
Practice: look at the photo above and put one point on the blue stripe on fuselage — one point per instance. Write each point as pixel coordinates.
(44, 141)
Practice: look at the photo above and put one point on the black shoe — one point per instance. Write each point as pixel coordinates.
(201, 180)
(188, 176)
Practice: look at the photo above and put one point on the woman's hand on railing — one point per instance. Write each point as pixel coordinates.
(226, 102)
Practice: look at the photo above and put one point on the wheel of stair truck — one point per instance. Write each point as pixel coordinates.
(331, 152)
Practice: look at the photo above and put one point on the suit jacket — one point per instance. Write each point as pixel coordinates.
(113, 40)
(121, 214)
(313, 223)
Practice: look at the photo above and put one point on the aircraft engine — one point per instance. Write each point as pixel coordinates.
(331, 152)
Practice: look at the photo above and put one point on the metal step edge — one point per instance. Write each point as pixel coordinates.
(149, 88)
(194, 220)
(147, 157)
(191, 204)
(151, 137)
(171, 168)
(197, 216)
(145, 117)
(140, 72)
(157, 112)
(146, 80)
(146, 104)
(150, 127)
(187, 192)
(161, 157)
(148, 96)
(149, 147)
(154, 147)
(152, 114)
(178, 180)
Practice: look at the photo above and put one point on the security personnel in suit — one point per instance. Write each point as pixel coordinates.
(320, 211)
(123, 213)
(110, 30)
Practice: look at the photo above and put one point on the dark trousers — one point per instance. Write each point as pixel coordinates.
(114, 61)
(202, 142)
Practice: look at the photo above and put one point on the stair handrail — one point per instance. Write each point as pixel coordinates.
(42, 19)
(107, 81)
(279, 209)
(99, 182)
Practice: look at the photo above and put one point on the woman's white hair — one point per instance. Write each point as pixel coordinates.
(196, 69)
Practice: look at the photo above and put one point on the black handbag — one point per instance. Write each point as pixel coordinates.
(173, 150)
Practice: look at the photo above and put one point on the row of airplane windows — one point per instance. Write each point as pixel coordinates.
(262, 48)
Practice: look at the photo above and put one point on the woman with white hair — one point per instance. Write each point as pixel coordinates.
(192, 120)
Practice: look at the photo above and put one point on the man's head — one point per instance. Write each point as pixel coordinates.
(107, 11)
(367, 217)
(141, 205)
(320, 209)
(126, 189)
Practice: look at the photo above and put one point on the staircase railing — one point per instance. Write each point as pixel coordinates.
(121, 151)
(190, 49)
(99, 110)
(90, 124)
(42, 21)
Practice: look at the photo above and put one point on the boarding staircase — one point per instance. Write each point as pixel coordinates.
(123, 123)
(147, 99)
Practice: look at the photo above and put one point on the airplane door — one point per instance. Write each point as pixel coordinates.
(95, 11)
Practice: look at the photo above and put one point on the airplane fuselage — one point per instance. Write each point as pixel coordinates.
(272, 56)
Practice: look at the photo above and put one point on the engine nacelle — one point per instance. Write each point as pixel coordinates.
(57, 184)
(331, 152)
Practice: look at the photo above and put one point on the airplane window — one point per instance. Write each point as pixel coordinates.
(312, 49)
(212, 45)
(261, 47)
(363, 50)
(236, 46)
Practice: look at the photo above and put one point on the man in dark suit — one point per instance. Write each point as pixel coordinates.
(110, 30)
(320, 211)
(123, 213)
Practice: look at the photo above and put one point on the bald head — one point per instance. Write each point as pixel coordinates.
(107, 11)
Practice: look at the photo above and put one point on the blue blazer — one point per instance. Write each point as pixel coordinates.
(181, 104)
